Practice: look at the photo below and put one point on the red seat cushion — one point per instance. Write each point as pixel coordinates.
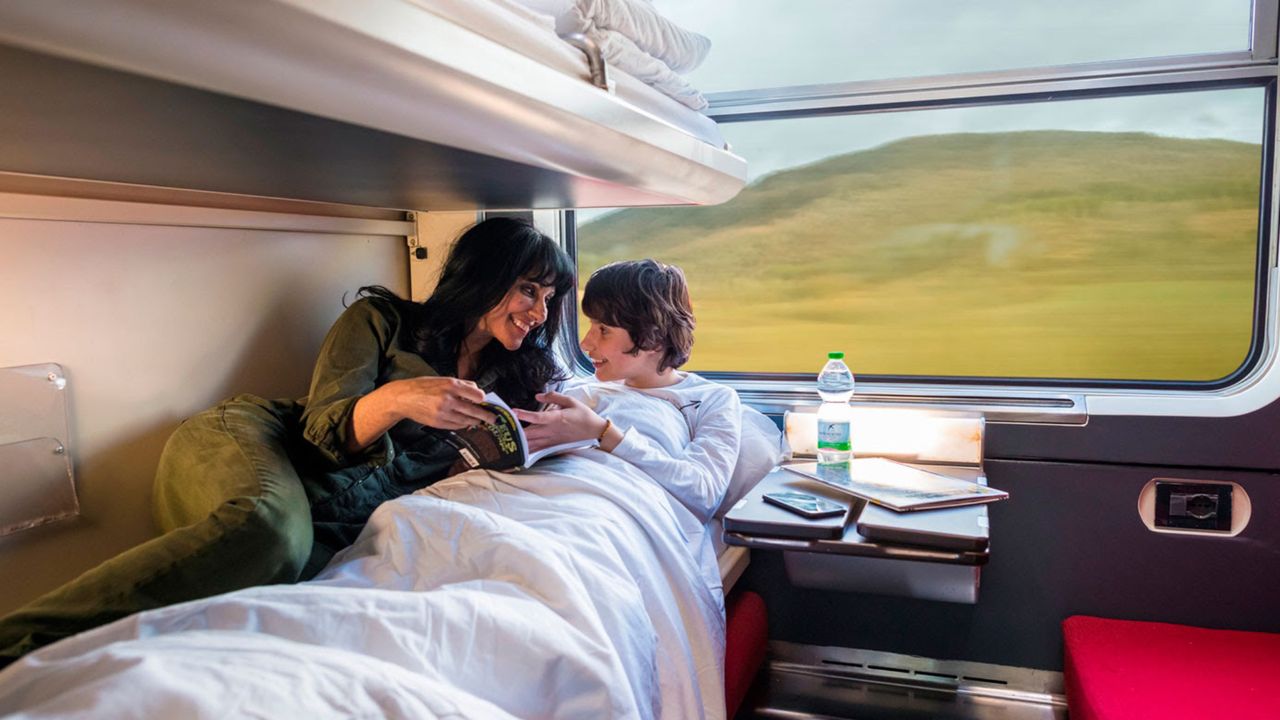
(746, 637)
(1127, 669)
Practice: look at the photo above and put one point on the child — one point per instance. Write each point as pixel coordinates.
(641, 332)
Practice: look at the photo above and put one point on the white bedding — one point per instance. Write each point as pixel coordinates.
(623, 53)
(533, 35)
(653, 34)
(569, 591)
(635, 38)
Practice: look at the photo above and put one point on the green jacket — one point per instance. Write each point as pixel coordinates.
(366, 348)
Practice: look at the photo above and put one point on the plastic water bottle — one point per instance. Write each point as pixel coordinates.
(835, 385)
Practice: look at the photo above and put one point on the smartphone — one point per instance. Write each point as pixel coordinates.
(810, 506)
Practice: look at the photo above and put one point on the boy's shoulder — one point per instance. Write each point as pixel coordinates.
(692, 380)
(708, 391)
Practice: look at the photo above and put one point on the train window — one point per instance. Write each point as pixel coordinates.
(1106, 238)
(831, 41)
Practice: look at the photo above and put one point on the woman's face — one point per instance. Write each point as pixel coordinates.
(522, 309)
(607, 347)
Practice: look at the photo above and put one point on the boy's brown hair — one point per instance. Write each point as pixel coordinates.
(648, 299)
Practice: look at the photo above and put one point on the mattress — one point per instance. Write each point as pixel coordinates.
(732, 560)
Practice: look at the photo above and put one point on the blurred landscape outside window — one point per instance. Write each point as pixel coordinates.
(1107, 238)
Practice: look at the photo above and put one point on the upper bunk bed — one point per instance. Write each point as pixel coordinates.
(410, 104)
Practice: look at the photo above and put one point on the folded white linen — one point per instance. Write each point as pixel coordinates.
(621, 52)
(680, 49)
(618, 50)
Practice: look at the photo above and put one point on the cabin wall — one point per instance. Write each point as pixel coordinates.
(153, 323)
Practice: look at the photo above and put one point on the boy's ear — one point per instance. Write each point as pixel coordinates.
(653, 358)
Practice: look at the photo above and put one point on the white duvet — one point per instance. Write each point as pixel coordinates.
(569, 591)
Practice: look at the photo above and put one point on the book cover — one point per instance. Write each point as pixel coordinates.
(500, 445)
(897, 486)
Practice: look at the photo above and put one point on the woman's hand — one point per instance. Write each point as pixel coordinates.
(440, 402)
(570, 420)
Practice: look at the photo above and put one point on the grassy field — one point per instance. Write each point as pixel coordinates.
(1036, 254)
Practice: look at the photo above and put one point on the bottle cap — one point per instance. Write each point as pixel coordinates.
(835, 356)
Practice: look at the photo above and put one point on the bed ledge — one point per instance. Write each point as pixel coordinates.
(381, 103)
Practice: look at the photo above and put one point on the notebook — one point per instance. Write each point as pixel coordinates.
(897, 486)
(960, 528)
(753, 516)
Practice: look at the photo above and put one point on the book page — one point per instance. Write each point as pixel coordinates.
(528, 457)
(557, 449)
(501, 407)
(499, 445)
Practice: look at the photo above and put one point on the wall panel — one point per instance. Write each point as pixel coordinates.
(153, 323)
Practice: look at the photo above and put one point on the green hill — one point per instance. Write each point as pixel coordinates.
(1042, 254)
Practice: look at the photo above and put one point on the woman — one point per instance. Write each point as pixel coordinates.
(641, 332)
(255, 491)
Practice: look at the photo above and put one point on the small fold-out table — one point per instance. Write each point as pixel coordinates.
(938, 563)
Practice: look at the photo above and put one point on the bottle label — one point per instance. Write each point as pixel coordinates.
(834, 435)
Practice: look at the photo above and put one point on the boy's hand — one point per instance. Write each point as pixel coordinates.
(567, 421)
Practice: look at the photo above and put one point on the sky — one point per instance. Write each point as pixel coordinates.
(771, 43)
(778, 43)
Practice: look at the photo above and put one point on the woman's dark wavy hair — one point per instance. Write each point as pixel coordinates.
(486, 262)
(648, 299)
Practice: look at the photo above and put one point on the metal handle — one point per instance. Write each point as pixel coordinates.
(595, 59)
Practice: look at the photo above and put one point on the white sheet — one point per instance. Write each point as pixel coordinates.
(623, 53)
(568, 591)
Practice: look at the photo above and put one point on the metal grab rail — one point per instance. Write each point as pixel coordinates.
(595, 59)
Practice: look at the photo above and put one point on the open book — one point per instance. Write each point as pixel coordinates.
(897, 486)
(500, 445)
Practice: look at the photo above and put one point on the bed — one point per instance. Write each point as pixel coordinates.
(575, 589)
(420, 104)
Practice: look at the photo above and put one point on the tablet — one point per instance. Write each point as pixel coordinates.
(898, 486)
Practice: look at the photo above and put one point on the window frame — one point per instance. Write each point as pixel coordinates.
(1254, 384)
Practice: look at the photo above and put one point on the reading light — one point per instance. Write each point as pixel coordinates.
(908, 434)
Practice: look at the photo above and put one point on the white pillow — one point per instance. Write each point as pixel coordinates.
(760, 451)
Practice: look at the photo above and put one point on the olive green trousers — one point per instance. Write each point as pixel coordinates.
(241, 502)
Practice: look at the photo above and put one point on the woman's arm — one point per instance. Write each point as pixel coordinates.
(348, 411)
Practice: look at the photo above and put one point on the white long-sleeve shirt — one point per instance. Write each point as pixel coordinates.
(685, 436)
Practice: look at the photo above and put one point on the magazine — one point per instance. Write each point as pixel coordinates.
(897, 486)
(500, 445)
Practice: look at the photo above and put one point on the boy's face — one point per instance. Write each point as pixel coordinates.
(608, 347)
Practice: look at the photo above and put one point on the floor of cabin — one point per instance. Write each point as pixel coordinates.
(874, 691)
